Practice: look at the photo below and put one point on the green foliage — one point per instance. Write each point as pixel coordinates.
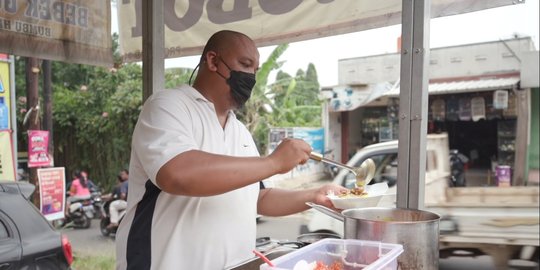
(95, 110)
(94, 113)
(289, 102)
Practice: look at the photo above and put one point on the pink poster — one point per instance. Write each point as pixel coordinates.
(38, 148)
(52, 182)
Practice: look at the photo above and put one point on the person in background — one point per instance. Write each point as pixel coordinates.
(91, 185)
(120, 203)
(196, 174)
(78, 190)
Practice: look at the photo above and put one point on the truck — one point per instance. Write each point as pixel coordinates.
(502, 222)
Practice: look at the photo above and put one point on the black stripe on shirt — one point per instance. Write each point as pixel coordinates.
(139, 254)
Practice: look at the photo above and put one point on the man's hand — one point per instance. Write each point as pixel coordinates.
(290, 153)
(320, 196)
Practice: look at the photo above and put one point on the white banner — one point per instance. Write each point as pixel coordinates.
(189, 23)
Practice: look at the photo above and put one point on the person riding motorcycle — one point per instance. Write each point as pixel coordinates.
(78, 190)
(119, 204)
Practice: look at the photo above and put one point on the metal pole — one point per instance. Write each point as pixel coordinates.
(413, 100)
(13, 111)
(153, 47)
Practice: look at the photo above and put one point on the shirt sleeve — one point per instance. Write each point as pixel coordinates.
(163, 131)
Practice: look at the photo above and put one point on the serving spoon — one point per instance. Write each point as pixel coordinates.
(364, 174)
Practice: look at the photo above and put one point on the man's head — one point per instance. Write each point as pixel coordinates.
(124, 175)
(228, 64)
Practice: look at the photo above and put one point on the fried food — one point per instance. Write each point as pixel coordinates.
(353, 192)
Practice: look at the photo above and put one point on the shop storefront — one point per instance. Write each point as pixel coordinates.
(480, 116)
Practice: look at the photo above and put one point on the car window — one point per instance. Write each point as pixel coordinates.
(386, 170)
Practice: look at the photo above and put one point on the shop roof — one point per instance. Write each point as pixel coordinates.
(465, 86)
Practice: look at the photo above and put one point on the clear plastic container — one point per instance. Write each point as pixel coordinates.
(353, 254)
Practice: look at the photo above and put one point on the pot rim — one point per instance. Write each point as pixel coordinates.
(347, 215)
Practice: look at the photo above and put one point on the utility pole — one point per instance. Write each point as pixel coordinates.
(32, 97)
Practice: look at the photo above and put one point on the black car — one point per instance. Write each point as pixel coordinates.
(27, 240)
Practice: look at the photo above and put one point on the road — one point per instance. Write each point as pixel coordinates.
(91, 242)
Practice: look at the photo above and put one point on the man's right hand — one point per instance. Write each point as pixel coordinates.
(289, 154)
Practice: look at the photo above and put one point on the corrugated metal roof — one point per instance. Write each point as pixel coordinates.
(465, 86)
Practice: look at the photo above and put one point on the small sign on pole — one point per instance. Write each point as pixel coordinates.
(38, 149)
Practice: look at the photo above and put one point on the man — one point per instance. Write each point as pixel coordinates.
(120, 203)
(195, 185)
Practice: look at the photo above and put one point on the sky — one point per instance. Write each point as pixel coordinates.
(487, 25)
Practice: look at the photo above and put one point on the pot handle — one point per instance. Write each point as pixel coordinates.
(326, 210)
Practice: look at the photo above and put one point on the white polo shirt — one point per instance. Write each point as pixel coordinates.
(164, 231)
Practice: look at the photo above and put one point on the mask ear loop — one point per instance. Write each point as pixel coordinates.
(193, 72)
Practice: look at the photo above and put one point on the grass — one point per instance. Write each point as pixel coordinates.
(93, 262)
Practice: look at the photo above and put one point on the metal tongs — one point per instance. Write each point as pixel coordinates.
(363, 174)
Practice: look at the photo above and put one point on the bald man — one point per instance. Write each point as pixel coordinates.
(195, 172)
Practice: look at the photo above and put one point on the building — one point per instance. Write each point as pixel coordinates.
(484, 95)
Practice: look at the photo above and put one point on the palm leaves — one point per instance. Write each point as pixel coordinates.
(288, 102)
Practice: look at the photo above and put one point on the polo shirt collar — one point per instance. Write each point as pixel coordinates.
(199, 97)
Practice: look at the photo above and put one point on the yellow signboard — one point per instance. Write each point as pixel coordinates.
(7, 166)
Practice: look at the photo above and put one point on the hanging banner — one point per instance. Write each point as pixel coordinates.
(69, 30)
(188, 24)
(52, 187)
(38, 149)
(7, 165)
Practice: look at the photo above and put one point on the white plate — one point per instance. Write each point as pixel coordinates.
(374, 195)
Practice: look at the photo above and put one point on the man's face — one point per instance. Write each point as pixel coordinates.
(124, 176)
(243, 56)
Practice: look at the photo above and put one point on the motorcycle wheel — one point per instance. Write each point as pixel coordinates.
(103, 227)
(85, 222)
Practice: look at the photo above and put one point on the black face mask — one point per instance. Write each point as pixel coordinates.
(241, 84)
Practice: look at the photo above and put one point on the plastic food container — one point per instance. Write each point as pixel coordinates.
(353, 254)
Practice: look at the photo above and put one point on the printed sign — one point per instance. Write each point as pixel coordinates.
(188, 24)
(68, 30)
(7, 166)
(52, 187)
(38, 148)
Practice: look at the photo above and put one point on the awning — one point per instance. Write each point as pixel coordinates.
(455, 87)
(188, 24)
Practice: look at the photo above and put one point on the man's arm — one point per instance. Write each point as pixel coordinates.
(198, 173)
(280, 202)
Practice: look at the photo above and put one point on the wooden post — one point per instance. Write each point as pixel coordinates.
(48, 103)
(32, 96)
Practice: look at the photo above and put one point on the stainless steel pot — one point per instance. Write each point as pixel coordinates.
(416, 230)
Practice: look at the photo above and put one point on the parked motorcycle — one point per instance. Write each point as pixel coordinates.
(106, 218)
(457, 168)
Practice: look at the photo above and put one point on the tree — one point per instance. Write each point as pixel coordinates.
(288, 102)
(94, 112)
